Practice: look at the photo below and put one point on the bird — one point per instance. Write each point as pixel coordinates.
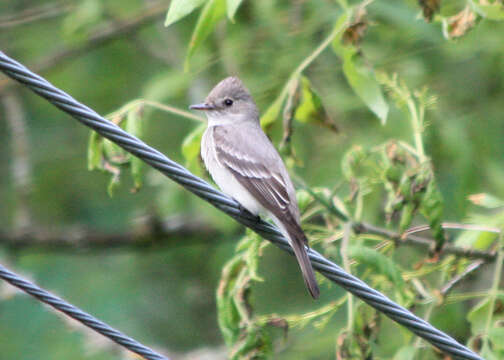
(246, 166)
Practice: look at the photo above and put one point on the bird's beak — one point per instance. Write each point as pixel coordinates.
(203, 106)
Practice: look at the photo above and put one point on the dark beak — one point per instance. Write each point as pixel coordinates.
(203, 107)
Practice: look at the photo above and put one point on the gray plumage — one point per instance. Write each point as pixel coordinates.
(247, 167)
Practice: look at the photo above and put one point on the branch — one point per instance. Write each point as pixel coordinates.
(456, 226)
(100, 37)
(423, 242)
(408, 238)
(148, 232)
(34, 14)
(457, 279)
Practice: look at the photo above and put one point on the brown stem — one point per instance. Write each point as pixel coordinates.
(423, 242)
(457, 279)
(455, 226)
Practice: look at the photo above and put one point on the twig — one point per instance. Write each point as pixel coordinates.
(347, 229)
(308, 60)
(99, 38)
(424, 242)
(494, 290)
(397, 238)
(34, 14)
(445, 290)
(456, 226)
(133, 105)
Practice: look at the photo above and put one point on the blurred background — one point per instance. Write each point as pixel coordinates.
(148, 261)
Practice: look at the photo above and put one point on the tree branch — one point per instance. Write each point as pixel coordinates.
(457, 279)
(400, 239)
(148, 232)
(100, 37)
(36, 13)
(423, 242)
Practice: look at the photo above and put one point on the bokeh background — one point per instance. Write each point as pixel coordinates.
(162, 291)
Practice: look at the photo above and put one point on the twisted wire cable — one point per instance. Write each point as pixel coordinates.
(79, 315)
(199, 187)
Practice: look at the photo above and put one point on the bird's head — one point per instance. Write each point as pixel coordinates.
(229, 102)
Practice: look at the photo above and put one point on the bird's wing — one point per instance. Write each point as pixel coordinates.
(249, 155)
(256, 165)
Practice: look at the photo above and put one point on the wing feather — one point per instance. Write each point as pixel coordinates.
(265, 183)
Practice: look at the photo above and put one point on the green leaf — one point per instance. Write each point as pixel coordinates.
(379, 262)
(303, 199)
(310, 108)
(362, 80)
(95, 151)
(232, 6)
(114, 153)
(134, 127)
(360, 77)
(477, 316)
(191, 147)
(79, 22)
(181, 8)
(405, 353)
(243, 333)
(114, 182)
(432, 208)
(272, 113)
(494, 11)
(407, 213)
(252, 256)
(227, 314)
(486, 200)
(496, 336)
(211, 14)
(487, 353)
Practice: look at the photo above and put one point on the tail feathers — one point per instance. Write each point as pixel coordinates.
(305, 265)
(292, 230)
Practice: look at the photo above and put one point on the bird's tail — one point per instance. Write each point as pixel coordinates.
(298, 240)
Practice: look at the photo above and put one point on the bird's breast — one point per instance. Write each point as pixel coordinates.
(224, 178)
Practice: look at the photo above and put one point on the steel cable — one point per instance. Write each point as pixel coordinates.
(79, 315)
(228, 205)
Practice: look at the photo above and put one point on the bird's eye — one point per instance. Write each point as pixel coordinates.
(228, 102)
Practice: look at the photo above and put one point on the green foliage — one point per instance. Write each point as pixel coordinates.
(491, 11)
(212, 13)
(191, 149)
(358, 74)
(272, 113)
(423, 165)
(181, 8)
(79, 23)
(232, 7)
(106, 156)
(134, 126)
(244, 334)
(310, 108)
(378, 262)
